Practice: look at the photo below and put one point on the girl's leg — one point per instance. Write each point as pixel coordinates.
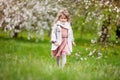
(58, 60)
(63, 60)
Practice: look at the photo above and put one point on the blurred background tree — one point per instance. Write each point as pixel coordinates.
(37, 16)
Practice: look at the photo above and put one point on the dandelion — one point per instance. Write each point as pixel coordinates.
(85, 58)
(86, 49)
(94, 51)
(102, 49)
(99, 54)
(77, 54)
(93, 41)
(81, 59)
(90, 54)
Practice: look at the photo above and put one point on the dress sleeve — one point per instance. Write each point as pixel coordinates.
(71, 33)
(53, 33)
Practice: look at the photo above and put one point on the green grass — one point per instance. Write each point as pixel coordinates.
(22, 59)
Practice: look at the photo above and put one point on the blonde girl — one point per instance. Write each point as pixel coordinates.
(62, 37)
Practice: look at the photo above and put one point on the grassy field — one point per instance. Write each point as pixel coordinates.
(22, 59)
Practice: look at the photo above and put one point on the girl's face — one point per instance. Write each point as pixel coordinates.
(63, 18)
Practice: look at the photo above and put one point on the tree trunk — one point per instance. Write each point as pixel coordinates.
(16, 31)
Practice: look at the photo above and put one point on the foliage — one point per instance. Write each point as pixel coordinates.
(29, 60)
(38, 16)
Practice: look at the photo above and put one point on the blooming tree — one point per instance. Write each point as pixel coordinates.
(33, 16)
(38, 15)
(91, 15)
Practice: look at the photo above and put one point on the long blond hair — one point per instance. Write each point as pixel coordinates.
(63, 12)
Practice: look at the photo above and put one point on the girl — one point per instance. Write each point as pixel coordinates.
(62, 37)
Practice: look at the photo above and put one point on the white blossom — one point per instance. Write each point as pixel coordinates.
(85, 1)
(116, 41)
(7, 19)
(37, 15)
(107, 2)
(100, 17)
(118, 10)
(16, 30)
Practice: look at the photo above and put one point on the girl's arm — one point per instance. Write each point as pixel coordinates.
(73, 43)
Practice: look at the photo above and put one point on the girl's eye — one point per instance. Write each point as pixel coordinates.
(63, 18)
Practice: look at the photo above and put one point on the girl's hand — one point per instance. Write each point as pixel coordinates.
(56, 44)
(73, 43)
